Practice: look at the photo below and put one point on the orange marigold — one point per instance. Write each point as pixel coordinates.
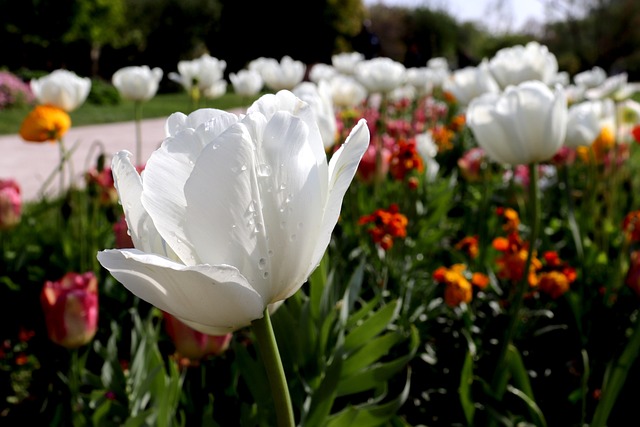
(45, 123)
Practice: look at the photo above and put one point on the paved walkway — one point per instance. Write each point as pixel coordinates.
(30, 164)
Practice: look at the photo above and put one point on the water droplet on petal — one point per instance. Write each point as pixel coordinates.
(243, 168)
(292, 237)
(265, 274)
(264, 170)
(262, 263)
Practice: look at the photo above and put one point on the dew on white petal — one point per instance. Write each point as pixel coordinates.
(265, 274)
(215, 146)
(293, 237)
(243, 168)
(262, 263)
(300, 225)
(270, 252)
(283, 186)
(264, 170)
(283, 224)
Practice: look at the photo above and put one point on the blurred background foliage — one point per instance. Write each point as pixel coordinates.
(96, 37)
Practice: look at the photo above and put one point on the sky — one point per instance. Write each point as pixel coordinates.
(513, 14)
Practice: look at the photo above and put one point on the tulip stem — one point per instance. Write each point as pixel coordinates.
(268, 346)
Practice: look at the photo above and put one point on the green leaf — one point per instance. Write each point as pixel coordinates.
(377, 374)
(518, 371)
(464, 389)
(369, 353)
(322, 399)
(371, 327)
(371, 415)
(534, 410)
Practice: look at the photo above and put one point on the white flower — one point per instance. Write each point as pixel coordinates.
(401, 93)
(319, 98)
(216, 90)
(428, 150)
(421, 78)
(320, 71)
(586, 120)
(615, 87)
(346, 91)
(590, 78)
(62, 88)
(246, 82)
(137, 83)
(345, 62)
(524, 124)
(285, 74)
(202, 72)
(516, 64)
(470, 82)
(380, 75)
(232, 213)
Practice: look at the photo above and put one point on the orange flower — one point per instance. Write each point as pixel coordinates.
(458, 288)
(511, 219)
(442, 137)
(556, 276)
(469, 245)
(511, 263)
(387, 225)
(554, 283)
(605, 141)
(45, 123)
(405, 159)
(457, 122)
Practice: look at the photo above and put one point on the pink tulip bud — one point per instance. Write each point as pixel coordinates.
(192, 344)
(70, 307)
(10, 203)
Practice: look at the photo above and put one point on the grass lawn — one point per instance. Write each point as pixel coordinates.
(160, 106)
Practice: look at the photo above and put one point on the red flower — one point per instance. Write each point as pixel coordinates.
(387, 225)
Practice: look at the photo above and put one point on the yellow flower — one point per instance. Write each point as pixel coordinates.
(45, 123)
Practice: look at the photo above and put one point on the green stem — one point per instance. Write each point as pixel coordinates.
(499, 382)
(614, 382)
(138, 117)
(263, 330)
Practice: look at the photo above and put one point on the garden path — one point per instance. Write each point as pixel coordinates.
(30, 164)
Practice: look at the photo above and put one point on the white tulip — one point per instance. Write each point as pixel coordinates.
(285, 74)
(590, 78)
(615, 87)
(524, 124)
(345, 62)
(61, 88)
(137, 83)
(381, 75)
(246, 82)
(202, 72)
(421, 78)
(516, 64)
(320, 71)
(346, 91)
(319, 98)
(216, 90)
(586, 119)
(232, 213)
(470, 82)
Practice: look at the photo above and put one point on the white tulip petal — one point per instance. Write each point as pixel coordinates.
(293, 201)
(342, 169)
(215, 296)
(143, 232)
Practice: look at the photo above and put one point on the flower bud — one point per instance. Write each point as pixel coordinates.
(70, 307)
